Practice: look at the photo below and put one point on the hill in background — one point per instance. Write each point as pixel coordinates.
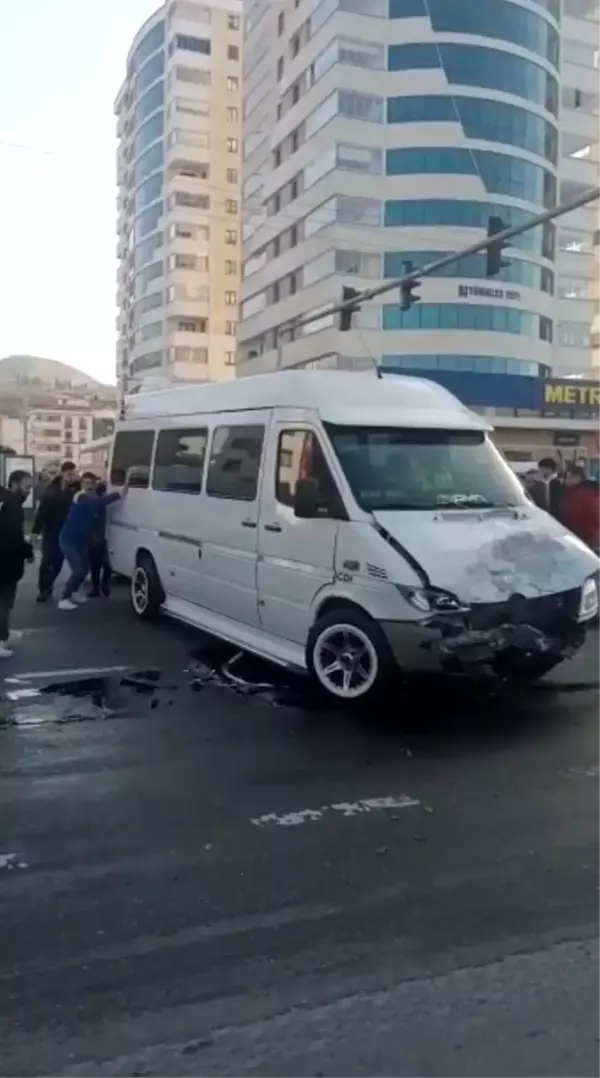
(34, 370)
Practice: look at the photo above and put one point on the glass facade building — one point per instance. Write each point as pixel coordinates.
(379, 132)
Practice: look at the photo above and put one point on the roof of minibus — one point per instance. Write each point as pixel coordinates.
(343, 397)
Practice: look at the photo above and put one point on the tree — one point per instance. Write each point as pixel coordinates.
(6, 451)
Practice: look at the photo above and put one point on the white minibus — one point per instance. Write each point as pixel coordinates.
(346, 525)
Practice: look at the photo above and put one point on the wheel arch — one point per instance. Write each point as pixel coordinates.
(339, 602)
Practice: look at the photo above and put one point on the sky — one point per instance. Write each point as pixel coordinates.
(61, 65)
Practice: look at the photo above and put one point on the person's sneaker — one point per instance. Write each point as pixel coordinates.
(5, 652)
(43, 597)
(14, 637)
(94, 593)
(79, 599)
(66, 604)
(105, 590)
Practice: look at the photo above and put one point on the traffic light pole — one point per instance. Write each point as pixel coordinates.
(412, 278)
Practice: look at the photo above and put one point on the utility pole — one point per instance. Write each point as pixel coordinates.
(493, 244)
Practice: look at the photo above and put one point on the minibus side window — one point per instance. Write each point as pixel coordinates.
(234, 464)
(179, 461)
(299, 456)
(131, 457)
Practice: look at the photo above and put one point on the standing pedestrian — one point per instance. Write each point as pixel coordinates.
(548, 491)
(100, 571)
(581, 510)
(75, 537)
(49, 519)
(14, 552)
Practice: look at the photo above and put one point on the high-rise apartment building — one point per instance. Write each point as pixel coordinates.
(380, 132)
(178, 170)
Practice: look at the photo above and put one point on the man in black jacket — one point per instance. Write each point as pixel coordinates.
(548, 491)
(14, 552)
(49, 519)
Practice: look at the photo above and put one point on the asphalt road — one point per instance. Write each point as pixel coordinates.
(201, 879)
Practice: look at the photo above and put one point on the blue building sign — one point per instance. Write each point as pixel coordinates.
(567, 398)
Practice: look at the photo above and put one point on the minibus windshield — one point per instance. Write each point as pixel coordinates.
(408, 468)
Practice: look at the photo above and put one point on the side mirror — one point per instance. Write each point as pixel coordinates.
(306, 499)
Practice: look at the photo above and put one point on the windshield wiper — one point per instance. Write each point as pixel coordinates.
(479, 504)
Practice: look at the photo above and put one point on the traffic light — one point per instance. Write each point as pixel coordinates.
(348, 313)
(408, 296)
(494, 261)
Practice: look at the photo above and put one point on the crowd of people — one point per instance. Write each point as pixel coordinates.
(569, 496)
(71, 524)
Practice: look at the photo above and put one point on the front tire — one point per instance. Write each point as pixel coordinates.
(348, 656)
(147, 595)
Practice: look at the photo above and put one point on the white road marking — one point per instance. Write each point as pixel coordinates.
(345, 808)
(582, 772)
(82, 671)
(11, 860)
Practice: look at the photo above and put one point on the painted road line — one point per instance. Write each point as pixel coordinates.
(343, 808)
(11, 860)
(78, 672)
(581, 772)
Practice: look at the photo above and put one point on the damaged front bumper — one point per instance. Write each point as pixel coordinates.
(490, 634)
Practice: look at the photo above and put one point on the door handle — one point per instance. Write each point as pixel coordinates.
(248, 524)
(273, 528)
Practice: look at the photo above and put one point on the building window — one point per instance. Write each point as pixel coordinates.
(194, 202)
(231, 205)
(231, 299)
(501, 173)
(131, 458)
(502, 20)
(233, 52)
(179, 461)
(494, 121)
(233, 22)
(230, 359)
(462, 316)
(280, 23)
(517, 270)
(232, 175)
(198, 76)
(467, 214)
(231, 267)
(233, 114)
(474, 65)
(235, 463)
(280, 64)
(233, 83)
(192, 325)
(231, 236)
(192, 44)
(232, 145)
(230, 328)
(183, 354)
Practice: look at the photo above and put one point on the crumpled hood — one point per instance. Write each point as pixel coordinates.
(485, 556)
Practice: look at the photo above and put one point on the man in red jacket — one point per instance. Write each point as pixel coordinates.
(581, 506)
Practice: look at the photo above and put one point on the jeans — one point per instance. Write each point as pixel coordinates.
(78, 561)
(100, 567)
(51, 563)
(8, 594)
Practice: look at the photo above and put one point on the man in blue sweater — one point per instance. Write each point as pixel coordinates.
(75, 536)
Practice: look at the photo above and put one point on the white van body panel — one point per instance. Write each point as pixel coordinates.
(255, 574)
(489, 555)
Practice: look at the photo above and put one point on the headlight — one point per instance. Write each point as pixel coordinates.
(431, 600)
(588, 604)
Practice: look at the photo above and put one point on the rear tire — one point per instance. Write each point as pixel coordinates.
(147, 594)
(348, 656)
